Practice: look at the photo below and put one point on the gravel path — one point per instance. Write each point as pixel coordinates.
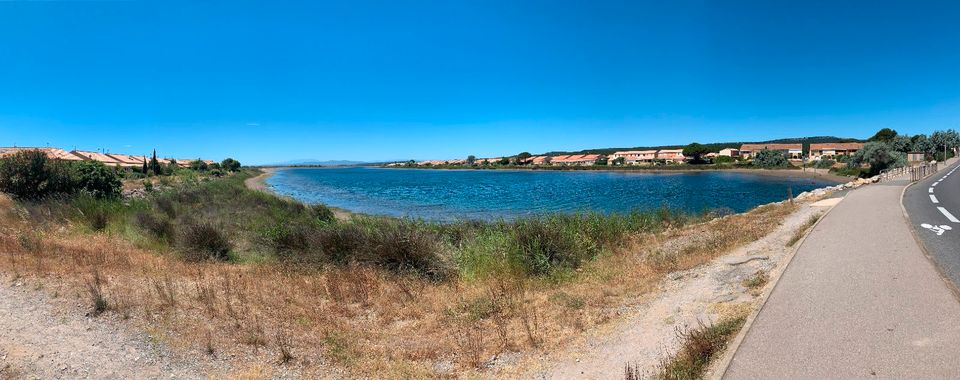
(684, 299)
(39, 340)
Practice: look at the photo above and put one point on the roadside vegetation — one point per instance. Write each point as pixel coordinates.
(218, 269)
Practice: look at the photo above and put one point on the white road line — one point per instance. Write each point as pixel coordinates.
(935, 184)
(933, 198)
(948, 215)
(931, 189)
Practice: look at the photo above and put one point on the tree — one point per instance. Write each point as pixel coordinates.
(230, 164)
(97, 179)
(884, 135)
(901, 143)
(619, 161)
(923, 144)
(602, 161)
(523, 157)
(504, 161)
(879, 156)
(154, 165)
(471, 159)
(767, 158)
(171, 167)
(199, 165)
(31, 175)
(696, 151)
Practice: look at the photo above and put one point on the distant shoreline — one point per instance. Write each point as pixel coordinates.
(822, 174)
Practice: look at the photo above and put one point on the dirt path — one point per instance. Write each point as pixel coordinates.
(648, 333)
(40, 341)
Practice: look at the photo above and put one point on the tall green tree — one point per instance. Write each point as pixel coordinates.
(879, 156)
(696, 151)
(884, 135)
(154, 165)
(230, 164)
(471, 159)
(767, 158)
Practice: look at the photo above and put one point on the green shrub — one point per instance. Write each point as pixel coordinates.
(156, 225)
(824, 163)
(541, 246)
(407, 246)
(230, 164)
(767, 158)
(31, 175)
(200, 241)
(879, 156)
(323, 213)
(96, 179)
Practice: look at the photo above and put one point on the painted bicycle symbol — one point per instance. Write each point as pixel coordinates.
(938, 229)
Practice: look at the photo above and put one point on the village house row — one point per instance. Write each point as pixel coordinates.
(641, 157)
(108, 159)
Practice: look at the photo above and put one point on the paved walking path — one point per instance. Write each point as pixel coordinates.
(859, 300)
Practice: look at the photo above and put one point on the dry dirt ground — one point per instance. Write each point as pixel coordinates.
(648, 333)
(39, 340)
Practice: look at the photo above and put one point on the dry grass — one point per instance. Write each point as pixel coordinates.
(367, 321)
(803, 230)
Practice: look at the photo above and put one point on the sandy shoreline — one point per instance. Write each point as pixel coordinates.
(259, 183)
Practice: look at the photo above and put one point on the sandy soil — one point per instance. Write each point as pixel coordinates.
(647, 333)
(41, 341)
(260, 182)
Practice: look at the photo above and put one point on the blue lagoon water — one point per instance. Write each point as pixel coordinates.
(448, 195)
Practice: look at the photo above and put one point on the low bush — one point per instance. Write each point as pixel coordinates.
(824, 163)
(157, 226)
(200, 241)
(541, 246)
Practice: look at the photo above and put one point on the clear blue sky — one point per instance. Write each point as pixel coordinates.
(268, 82)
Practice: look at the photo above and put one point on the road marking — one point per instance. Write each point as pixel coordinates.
(935, 184)
(933, 198)
(939, 230)
(948, 215)
(931, 190)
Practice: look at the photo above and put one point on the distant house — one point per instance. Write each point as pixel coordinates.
(793, 151)
(632, 157)
(100, 157)
(832, 150)
(576, 159)
(127, 160)
(729, 152)
(541, 160)
(671, 155)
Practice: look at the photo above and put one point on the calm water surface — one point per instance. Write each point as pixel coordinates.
(448, 195)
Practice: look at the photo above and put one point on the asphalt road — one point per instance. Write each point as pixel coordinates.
(859, 300)
(934, 208)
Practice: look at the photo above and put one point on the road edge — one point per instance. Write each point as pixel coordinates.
(923, 248)
(721, 367)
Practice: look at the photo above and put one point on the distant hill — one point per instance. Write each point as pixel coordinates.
(716, 147)
(308, 162)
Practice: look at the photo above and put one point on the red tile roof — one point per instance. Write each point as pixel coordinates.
(757, 147)
(837, 146)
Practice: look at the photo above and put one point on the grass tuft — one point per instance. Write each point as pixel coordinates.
(699, 347)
